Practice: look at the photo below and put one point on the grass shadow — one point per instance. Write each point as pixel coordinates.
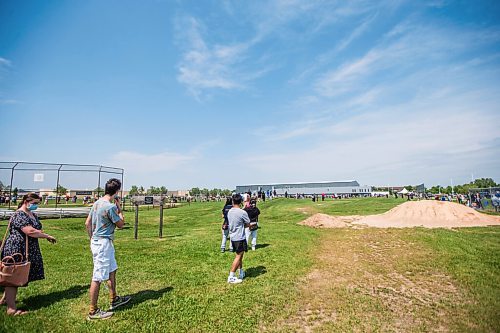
(261, 246)
(253, 272)
(145, 295)
(41, 301)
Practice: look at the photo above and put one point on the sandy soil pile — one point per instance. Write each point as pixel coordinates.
(427, 213)
(326, 221)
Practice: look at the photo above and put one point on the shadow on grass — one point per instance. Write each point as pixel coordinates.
(42, 301)
(261, 246)
(253, 272)
(173, 236)
(145, 295)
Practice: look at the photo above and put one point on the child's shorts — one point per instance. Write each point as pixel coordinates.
(240, 246)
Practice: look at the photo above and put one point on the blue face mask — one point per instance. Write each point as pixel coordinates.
(33, 207)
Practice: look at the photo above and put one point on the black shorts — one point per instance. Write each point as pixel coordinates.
(240, 246)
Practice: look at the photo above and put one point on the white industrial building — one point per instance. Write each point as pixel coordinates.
(350, 187)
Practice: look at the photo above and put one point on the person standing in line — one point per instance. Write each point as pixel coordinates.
(253, 214)
(24, 226)
(238, 219)
(246, 199)
(225, 226)
(105, 215)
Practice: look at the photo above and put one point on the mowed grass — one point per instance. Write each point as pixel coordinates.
(179, 282)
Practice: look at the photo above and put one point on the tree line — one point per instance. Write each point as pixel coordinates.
(460, 189)
(195, 191)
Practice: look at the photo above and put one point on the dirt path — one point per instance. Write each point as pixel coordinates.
(373, 280)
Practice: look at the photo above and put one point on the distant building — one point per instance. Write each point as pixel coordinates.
(389, 188)
(350, 187)
(178, 193)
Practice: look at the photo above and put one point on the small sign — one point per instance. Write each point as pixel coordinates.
(38, 177)
(148, 200)
(83, 192)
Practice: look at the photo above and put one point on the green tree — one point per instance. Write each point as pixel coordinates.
(484, 183)
(14, 191)
(61, 190)
(150, 190)
(434, 189)
(133, 190)
(205, 192)
(195, 191)
(141, 190)
(163, 190)
(98, 189)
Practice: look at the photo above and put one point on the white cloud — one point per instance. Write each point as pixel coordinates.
(205, 66)
(9, 101)
(409, 145)
(405, 50)
(208, 64)
(427, 125)
(139, 163)
(5, 62)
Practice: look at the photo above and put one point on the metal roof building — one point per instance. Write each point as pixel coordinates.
(334, 187)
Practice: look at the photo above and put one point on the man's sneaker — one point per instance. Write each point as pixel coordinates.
(99, 314)
(242, 274)
(253, 248)
(222, 250)
(119, 301)
(233, 280)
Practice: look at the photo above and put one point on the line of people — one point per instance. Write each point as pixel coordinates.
(239, 226)
(25, 229)
(105, 216)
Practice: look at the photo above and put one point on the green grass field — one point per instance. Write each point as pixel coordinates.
(298, 279)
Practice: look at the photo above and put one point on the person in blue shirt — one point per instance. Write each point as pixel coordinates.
(104, 217)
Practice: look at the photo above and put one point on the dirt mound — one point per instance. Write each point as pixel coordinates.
(326, 221)
(428, 214)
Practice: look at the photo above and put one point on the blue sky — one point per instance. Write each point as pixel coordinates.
(220, 93)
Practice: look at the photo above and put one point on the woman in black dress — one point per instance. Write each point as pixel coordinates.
(23, 223)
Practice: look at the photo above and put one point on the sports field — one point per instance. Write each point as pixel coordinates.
(299, 279)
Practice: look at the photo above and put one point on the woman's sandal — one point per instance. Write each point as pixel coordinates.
(18, 312)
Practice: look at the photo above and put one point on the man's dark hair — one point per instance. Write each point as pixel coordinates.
(237, 199)
(112, 186)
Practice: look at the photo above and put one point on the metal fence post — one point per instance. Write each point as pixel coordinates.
(136, 225)
(161, 220)
(57, 185)
(11, 179)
